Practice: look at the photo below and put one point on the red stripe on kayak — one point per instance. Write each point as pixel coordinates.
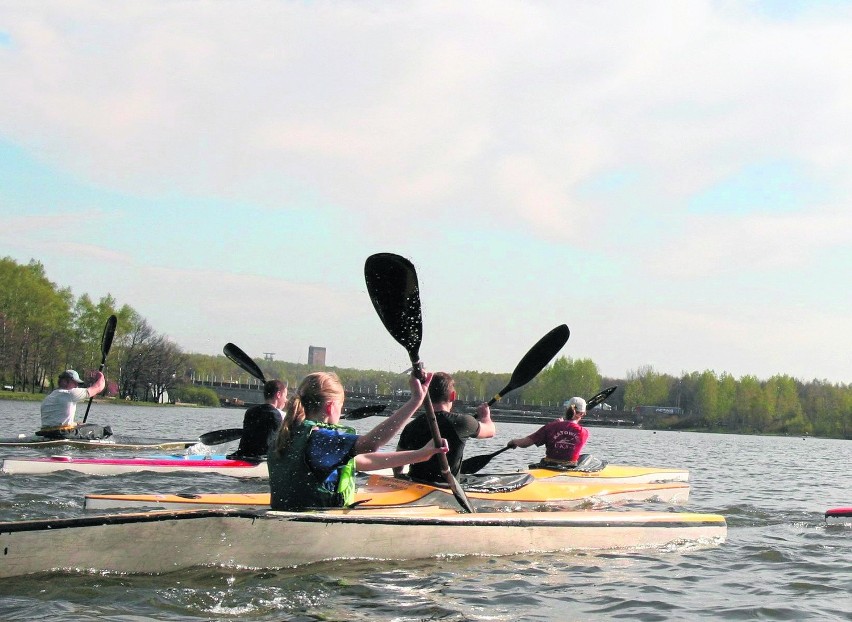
(148, 462)
(839, 512)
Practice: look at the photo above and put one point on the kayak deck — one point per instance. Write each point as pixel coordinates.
(383, 491)
(112, 442)
(117, 466)
(158, 542)
(613, 473)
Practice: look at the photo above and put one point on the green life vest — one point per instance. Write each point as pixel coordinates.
(294, 486)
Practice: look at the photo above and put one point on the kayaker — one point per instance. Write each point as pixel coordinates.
(455, 427)
(60, 407)
(563, 438)
(313, 460)
(261, 423)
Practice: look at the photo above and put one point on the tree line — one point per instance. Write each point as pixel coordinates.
(44, 329)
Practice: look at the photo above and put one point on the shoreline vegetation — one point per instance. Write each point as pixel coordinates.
(145, 367)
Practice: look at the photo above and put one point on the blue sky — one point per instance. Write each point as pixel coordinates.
(670, 179)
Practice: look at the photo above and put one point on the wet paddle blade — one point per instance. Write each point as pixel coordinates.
(535, 360)
(243, 360)
(217, 437)
(392, 285)
(395, 293)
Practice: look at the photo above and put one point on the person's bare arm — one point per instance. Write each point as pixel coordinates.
(98, 386)
(376, 460)
(385, 431)
(526, 441)
(487, 429)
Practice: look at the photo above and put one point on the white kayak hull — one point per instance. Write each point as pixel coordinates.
(160, 542)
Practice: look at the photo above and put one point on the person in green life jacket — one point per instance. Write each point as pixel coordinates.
(313, 460)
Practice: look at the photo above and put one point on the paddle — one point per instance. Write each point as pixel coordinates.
(392, 285)
(217, 437)
(476, 463)
(528, 368)
(535, 360)
(106, 344)
(243, 360)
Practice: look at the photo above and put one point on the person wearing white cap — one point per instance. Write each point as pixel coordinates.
(563, 438)
(60, 407)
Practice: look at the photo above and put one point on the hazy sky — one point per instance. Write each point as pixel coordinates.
(671, 179)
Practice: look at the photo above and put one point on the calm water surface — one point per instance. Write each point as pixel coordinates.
(781, 561)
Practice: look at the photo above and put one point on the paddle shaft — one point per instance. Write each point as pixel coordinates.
(432, 420)
(395, 294)
(106, 344)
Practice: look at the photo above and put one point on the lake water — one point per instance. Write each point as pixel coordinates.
(780, 562)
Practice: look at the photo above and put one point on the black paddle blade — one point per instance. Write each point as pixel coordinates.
(109, 333)
(536, 359)
(392, 285)
(243, 361)
(599, 398)
(217, 437)
(476, 463)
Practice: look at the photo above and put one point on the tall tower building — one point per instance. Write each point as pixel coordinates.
(316, 356)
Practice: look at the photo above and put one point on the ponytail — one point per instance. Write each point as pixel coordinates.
(314, 391)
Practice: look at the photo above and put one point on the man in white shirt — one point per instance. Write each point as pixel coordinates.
(60, 407)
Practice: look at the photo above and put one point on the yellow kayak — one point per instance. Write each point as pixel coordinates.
(516, 491)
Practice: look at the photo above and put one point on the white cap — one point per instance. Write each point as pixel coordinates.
(578, 402)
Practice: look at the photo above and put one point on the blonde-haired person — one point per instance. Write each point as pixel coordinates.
(563, 438)
(313, 460)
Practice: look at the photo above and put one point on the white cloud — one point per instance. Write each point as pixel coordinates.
(443, 116)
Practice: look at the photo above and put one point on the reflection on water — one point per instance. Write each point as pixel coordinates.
(781, 560)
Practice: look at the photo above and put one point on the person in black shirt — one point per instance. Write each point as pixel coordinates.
(455, 427)
(261, 423)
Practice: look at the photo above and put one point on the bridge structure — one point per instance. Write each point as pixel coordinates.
(244, 394)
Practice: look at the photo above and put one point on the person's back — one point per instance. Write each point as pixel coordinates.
(262, 422)
(59, 408)
(456, 428)
(563, 439)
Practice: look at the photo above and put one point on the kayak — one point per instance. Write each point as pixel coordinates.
(111, 442)
(492, 492)
(117, 466)
(609, 473)
(160, 542)
(838, 513)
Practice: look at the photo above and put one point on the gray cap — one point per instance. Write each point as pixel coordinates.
(70, 374)
(578, 402)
